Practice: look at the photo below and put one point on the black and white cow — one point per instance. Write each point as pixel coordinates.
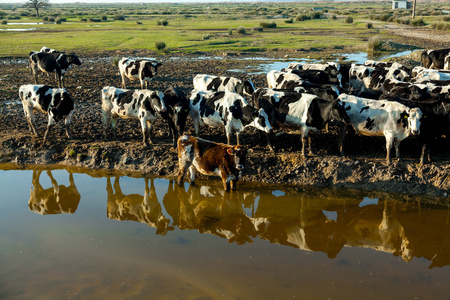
(423, 75)
(390, 119)
(49, 50)
(231, 110)
(143, 70)
(280, 80)
(298, 110)
(203, 82)
(316, 76)
(368, 81)
(178, 109)
(433, 90)
(56, 102)
(434, 59)
(434, 123)
(58, 62)
(131, 104)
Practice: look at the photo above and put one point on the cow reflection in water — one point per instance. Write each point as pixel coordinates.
(210, 210)
(58, 199)
(144, 209)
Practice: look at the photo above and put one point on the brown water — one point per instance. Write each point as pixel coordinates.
(70, 234)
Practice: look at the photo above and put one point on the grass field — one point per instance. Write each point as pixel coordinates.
(191, 28)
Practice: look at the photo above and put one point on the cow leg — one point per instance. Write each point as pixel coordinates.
(144, 131)
(342, 134)
(269, 141)
(50, 124)
(67, 124)
(33, 69)
(150, 131)
(225, 180)
(59, 78)
(29, 115)
(397, 149)
(192, 175)
(124, 82)
(303, 141)
(114, 120)
(106, 118)
(389, 142)
(237, 138)
(309, 145)
(422, 156)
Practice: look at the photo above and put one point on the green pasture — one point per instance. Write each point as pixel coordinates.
(193, 27)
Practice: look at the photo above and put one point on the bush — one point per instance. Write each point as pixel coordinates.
(301, 18)
(230, 31)
(4, 22)
(257, 28)
(160, 45)
(289, 21)
(119, 18)
(374, 44)
(115, 61)
(268, 25)
(418, 22)
(333, 17)
(241, 30)
(104, 18)
(369, 25)
(349, 20)
(162, 22)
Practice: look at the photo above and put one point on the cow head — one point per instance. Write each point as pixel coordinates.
(413, 116)
(249, 87)
(151, 68)
(157, 100)
(239, 154)
(261, 120)
(425, 59)
(339, 113)
(73, 59)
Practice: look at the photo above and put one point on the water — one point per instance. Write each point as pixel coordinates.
(71, 233)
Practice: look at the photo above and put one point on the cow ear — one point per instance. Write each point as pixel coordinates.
(230, 151)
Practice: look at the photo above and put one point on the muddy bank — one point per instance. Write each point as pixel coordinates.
(364, 166)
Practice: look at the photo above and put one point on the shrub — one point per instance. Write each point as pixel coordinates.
(289, 21)
(418, 22)
(369, 25)
(162, 22)
(230, 31)
(333, 17)
(374, 44)
(160, 45)
(257, 28)
(301, 18)
(115, 61)
(119, 18)
(51, 19)
(349, 20)
(4, 22)
(104, 18)
(268, 25)
(58, 21)
(241, 30)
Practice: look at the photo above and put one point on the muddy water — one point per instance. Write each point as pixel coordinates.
(75, 234)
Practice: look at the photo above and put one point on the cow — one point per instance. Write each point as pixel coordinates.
(298, 110)
(178, 109)
(203, 82)
(143, 70)
(283, 80)
(380, 117)
(435, 121)
(131, 104)
(432, 90)
(56, 102)
(49, 50)
(434, 59)
(210, 158)
(423, 75)
(316, 76)
(368, 81)
(58, 62)
(231, 110)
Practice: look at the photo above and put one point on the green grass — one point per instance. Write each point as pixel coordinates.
(188, 24)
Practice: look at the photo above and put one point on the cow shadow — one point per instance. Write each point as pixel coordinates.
(58, 199)
(135, 207)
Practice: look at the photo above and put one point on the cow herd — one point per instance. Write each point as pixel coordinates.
(374, 98)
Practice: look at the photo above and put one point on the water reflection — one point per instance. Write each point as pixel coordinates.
(134, 207)
(317, 220)
(58, 199)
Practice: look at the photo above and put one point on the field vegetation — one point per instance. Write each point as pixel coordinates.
(208, 27)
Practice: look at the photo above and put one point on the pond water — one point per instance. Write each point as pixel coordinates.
(75, 234)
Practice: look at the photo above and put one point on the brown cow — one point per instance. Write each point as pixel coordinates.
(210, 158)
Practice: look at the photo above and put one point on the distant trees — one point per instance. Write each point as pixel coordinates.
(37, 5)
